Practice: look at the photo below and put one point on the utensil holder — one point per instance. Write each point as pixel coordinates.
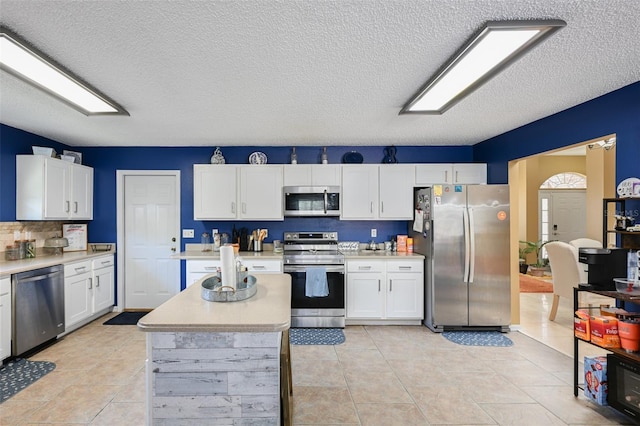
(257, 245)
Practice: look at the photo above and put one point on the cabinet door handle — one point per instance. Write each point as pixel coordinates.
(405, 268)
(233, 207)
(371, 208)
(81, 269)
(244, 207)
(378, 286)
(259, 267)
(90, 283)
(98, 281)
(390, 285)
(68, 207)
(382, 206)
(106, 262)
(456, 176)
(364, 268)
(75, 209)
(446, 176)
(210, 268)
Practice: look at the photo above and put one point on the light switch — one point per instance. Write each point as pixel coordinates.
(374, 232)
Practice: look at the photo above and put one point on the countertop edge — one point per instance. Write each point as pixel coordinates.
(266, 255)
(8, 267)
(216, 328)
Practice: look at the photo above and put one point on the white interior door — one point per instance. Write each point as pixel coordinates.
(567, 219)
(149, 233)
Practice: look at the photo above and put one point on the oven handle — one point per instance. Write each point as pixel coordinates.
(303, 268)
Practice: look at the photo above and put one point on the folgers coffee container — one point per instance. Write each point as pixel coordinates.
(604, 332)
(409, 245)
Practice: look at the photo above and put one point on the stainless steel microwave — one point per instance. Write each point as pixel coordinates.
(311, 200)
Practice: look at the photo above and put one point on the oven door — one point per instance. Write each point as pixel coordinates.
(317, 311)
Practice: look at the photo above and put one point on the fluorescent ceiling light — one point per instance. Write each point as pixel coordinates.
(496, 46)
(33, 67)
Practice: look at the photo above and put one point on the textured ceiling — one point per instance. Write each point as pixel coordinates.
(309, 72)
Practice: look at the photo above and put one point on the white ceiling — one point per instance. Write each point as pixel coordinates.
(283, 73)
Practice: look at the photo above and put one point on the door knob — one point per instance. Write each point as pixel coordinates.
(173, 239)
(173, 249)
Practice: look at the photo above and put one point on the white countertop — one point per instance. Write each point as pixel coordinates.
(267, 311)
(8, 267)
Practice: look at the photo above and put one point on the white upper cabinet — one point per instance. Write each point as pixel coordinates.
(223, 192)
(470, 173)
(396, 191)
(359, 192)
(459, 173)
(214, 192)
(312, 174)
(52, 189)
(261, 192)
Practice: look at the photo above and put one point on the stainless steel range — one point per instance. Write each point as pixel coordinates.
(318, 250)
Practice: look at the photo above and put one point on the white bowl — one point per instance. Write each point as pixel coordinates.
(43, 150)
(69, 158)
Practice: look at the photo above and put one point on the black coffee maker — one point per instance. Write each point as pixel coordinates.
(604, 264)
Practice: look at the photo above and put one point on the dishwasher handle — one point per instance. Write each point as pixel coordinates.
(38, 277)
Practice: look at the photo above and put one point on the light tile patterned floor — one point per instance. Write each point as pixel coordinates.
(380, 376)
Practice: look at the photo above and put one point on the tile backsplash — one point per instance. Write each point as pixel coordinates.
(39, 231)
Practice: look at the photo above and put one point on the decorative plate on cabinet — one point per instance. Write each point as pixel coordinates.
(258, 158)
(353, 157)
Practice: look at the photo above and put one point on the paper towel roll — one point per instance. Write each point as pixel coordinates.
(228, 267)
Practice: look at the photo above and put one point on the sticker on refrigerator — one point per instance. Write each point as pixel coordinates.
(437, 190)
(457, 188)
(502, 215)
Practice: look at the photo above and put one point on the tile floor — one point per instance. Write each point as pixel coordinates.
(380, 376)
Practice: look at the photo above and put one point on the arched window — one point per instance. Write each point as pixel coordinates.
(565, 180)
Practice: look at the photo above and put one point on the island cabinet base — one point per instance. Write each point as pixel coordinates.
(211, 378)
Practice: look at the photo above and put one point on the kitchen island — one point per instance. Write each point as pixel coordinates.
(217, 362)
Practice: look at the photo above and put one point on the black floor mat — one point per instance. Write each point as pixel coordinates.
(126, 318)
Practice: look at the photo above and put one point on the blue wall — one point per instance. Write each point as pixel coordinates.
(616, 112)
(106, 161)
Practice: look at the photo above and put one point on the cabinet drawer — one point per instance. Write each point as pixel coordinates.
(274, 266)
(365, 266)
(205, 266)
(77, 268)
(102, 262)
(404, 266)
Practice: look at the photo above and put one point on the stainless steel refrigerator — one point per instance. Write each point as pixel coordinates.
(463, 232)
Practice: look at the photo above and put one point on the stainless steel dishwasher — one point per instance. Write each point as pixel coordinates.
(38, 307)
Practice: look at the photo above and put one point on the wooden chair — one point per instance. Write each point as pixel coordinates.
(563, 259)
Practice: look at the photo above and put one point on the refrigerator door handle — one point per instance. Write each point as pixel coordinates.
(465, 231)
(472, 244)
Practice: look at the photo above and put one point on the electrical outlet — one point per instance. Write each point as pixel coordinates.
(188, 233)
(374, 232)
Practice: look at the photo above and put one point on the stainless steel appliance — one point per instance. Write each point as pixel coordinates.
(303, 250)
(38, 307)
(311, 200)
(463, 232)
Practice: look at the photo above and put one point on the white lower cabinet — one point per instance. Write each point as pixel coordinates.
(88, 290)
(196, 269)
(5, 317)
(384, 290)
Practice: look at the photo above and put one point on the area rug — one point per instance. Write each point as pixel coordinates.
(316, 336)
(478, 338)
(126, 318)
(20, 373)
(529, 284)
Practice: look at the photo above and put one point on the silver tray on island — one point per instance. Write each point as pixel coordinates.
(213, 290)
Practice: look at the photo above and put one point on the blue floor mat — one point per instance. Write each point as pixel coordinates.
(20, 373)
(478, 338)
(316, 336)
